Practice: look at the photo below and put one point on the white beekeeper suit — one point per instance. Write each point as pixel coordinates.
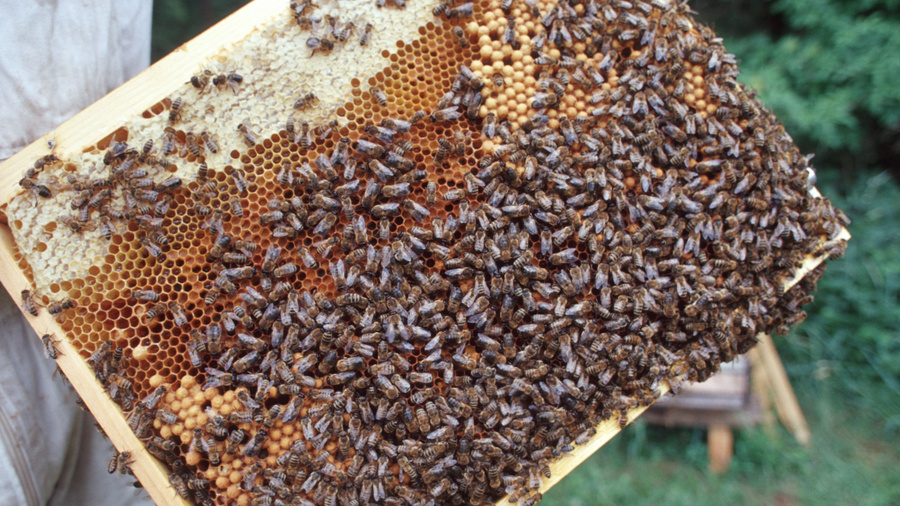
(56, 57)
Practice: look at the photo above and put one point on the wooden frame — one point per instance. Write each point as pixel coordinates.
(93, 124)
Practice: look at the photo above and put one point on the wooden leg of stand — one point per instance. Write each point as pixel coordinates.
(720, 444)
(762, 390)
(785, 401)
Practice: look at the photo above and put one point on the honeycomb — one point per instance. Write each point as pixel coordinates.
(426, 265)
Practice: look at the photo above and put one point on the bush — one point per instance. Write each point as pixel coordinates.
(852, 336)
(828, 68)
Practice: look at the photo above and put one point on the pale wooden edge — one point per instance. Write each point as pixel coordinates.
(140, 93)
(151, 473)
(786, 404)
(606, 430)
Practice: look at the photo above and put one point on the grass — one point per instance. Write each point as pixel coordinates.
(653, 465)
(844, 363)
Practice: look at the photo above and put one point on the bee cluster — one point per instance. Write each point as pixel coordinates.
(432, 303)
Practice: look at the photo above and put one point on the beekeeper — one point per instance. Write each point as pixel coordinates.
(56, 58)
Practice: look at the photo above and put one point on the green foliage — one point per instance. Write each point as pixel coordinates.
(656, 465)
(828, 68)
(177, 21)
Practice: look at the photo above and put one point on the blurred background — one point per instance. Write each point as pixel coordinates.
(830, 69)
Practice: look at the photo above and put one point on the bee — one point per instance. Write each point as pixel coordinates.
(431, 193)
(179, 316)
(236, 208)
(461, 38)
(233, 80)
(208, 143)
(325, 224)
(120, 461)
(441, 8)
(235, 438)
(316, 44)
(28, 304)
(212, 453)
(167, 417)
(460, 11)
(234, 257)
(509, 33)
(151, 246)
(369, 148)
(58, 308)
(364, 36)
(447, 114)
(35, 188)
(239, 181)
(155, 311)
(201, 80)
(45, 160)
(454, 195)
(378, 95)
(308, 260)
(246, 133)
(175, 110)
(396, 190)
(417, 117)
(304, 101)
(285, 270)
(50, 350)
(416, 210)
(145, 295)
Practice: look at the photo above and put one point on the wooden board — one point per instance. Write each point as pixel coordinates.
(96, 122)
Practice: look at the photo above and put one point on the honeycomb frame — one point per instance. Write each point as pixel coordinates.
(133, 98)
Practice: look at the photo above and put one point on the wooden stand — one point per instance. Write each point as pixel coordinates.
(742, 394)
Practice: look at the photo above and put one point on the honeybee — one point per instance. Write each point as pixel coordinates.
(145, 295)
(441, 8)
(175, 110)
(179, 316)
(50, 350)
(378, 95)
(448, 114)
(58, 307)
(233, 80)
(236, 208)
(304, 101)
(45, 160)
(509, 33)
(35, 188)
(285, 270)
(365, 35)
(201, 80)
(28, 304)
(316, 44)
(460, 11)
(461, 38)
(208, 143)
(238, 177)
(308, 260)
(121, 461)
